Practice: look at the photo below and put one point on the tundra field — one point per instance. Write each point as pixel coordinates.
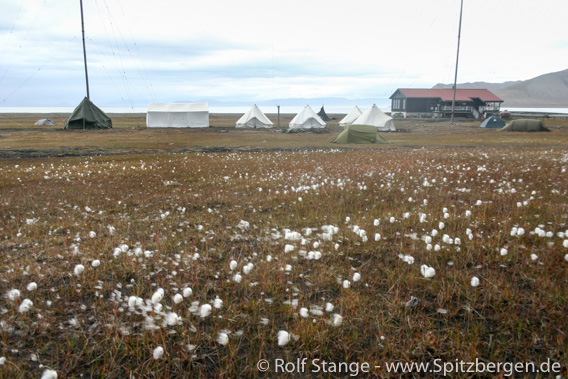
(198, 253)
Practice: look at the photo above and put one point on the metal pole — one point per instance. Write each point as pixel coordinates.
(278, 116)
(84, 50)
(457, 60)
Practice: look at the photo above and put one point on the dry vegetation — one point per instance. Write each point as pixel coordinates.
(340, 234)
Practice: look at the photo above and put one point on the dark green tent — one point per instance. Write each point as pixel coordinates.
(88, 116)
(323, 115)
(493, 122)
(359, 134)
(524, 125)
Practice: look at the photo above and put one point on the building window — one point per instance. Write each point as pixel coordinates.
(395, 103)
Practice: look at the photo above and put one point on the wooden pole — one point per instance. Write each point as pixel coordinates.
(457, 60)
(84, 50)
(278, 116)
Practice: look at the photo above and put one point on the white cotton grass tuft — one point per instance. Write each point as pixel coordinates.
(377, 236)
(49, 374)
(223, 338)
(32, 286)
(173, 319)
(96, 263)
(158, 352)
(356, 277)
(427, 272)
(92, 234)
(233, 265)
(346, 284)
(288, 248)
(566, 257)
(441, 225)
(13, 294)
(503, 252)
(158, 296)
(205, 310)
(534, 257)
(26, 306)
(2, 361)
(337, 320)
(565, 243)
(237, 278)
(304, 312)
(78, 270)
(475, 281)
(329, 307)
(178, 298)
(218, 303)
(283, 338)
(187, 292)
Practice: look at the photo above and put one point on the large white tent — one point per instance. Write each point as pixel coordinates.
(374, 116)
(254, 118)
(352, 116)
(307, 119)
(177, 115)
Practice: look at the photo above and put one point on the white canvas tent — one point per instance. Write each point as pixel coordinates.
(177, 115)
(374, 116)
(352, 116)
(254, 118)
(307, 119)
(44, 121)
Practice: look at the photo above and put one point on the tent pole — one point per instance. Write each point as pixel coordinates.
(457, 60)
(84, 50)
(278, 116)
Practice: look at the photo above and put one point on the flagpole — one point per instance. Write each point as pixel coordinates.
(84, 50)
(457, 60)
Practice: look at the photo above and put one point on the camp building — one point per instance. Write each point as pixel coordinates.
(437, 102)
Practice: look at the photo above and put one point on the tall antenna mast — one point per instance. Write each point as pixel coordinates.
(85, 50)
(457, 60)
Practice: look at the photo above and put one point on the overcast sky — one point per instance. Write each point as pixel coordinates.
(143, 51)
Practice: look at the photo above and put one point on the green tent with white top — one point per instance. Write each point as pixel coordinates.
(359, 134)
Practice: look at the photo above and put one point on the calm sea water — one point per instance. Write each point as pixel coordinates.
(265, 109)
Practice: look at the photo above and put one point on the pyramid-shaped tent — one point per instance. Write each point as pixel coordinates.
(359, 134)
(306, 119)
(323, 115)
(493, 122)
(88, 116)
(374, 116)
(351, 117)
(254, 118)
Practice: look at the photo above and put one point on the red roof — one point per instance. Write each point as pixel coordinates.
(447, 94)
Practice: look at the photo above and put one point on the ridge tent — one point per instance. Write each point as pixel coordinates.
(44, 121)
(254, 118)
(524, 125)
(323, 115)
(306, 119)
(177, 115)
(493, 122)
(88, 116)
(352, 116)
(359, 134)
(374, 116)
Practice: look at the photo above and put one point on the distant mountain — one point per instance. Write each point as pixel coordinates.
(296, 102)
(544, 91)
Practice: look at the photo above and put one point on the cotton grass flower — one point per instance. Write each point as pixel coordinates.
(337, 320)
(223, 338)
(218, 303)
(96, 263)
(427, 272)
(26, 306)
(13, 294)
(356, 277)
(78, 270)
(92, 234)
(283, 338)
(158, 353)
(503, 252)
(32, 286)
(329, 307)
(158, 296)
(49, 374)
(172, 319)
(475, 281)
(205, 310)
(187, 292)
(346, 284)
(178, 298)
(304, 312)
